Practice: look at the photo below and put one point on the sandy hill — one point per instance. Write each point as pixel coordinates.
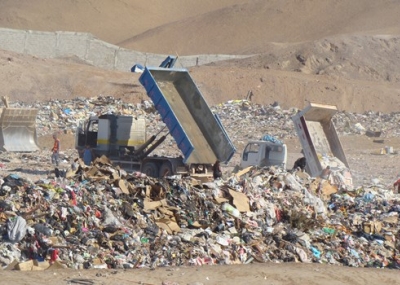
(193, 27)
(110, 20)
(249, 27)
(338, 52)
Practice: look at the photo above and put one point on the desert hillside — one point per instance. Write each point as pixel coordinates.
(194, 27)
(337, 52)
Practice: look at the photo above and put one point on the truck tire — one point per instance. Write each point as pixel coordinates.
(166, 169)
(150, 169)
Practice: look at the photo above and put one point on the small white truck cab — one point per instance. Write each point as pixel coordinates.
(264, 153)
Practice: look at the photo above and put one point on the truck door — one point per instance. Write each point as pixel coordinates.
(91, 133)
(277, 155)
(80, 135)
(103, 135)
(265, 161)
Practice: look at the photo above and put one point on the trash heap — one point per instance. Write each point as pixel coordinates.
(104, 217)
(65, 114)
(236, 115)
(259, 119)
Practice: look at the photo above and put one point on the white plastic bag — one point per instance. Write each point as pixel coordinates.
(16, 229)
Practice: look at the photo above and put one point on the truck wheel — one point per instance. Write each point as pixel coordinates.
(150, 169)
(166, 169)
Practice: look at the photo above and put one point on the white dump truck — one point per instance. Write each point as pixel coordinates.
(319, 140)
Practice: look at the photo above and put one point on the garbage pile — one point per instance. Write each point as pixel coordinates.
(260, 119)
(236, 115)
(104, 217)
(65, 114)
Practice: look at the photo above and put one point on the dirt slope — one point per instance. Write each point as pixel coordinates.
(337, 52)
(291, 89)
(27, 78)
(192, 27)
(248, 27)
(110, 20)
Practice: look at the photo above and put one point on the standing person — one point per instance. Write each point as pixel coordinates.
(397, 183)
(55, 157)
(300, 163)
(326, 173)
(217, 172)
(87, 155)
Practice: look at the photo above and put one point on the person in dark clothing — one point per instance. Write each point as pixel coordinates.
(87, 155)
(217, 172)
(300, 163)
(397, 185)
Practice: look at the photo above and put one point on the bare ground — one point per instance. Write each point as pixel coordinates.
(336, 52)
(268, 273)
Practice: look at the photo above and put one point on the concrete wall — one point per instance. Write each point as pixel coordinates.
(90, 49)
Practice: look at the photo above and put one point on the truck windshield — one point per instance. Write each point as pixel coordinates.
(252, 147)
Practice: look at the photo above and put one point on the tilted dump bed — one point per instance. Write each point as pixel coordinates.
(198, 132)
(318, 137)
(18, 130)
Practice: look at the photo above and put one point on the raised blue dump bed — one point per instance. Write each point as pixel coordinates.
(198, 132)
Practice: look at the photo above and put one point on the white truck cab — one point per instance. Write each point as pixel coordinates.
(264, 153)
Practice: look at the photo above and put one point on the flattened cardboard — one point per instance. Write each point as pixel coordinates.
(81, 163)
(243, 171)
(392, 219)
(12, 265)
(196, 224)
(148, 191)
(24, 266)
(240, 201)
(122, 186)
(92, 171)
(152, 205)
(103, 160)
(42, 265)
(220, 200)
(166, 211)
(327, 190)
(115, 175)
(56, 265)
(170, 226)
(70, 173)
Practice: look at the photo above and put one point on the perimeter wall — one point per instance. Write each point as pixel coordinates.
(90, 49)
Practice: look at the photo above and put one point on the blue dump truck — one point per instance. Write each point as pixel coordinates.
(197, 131)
